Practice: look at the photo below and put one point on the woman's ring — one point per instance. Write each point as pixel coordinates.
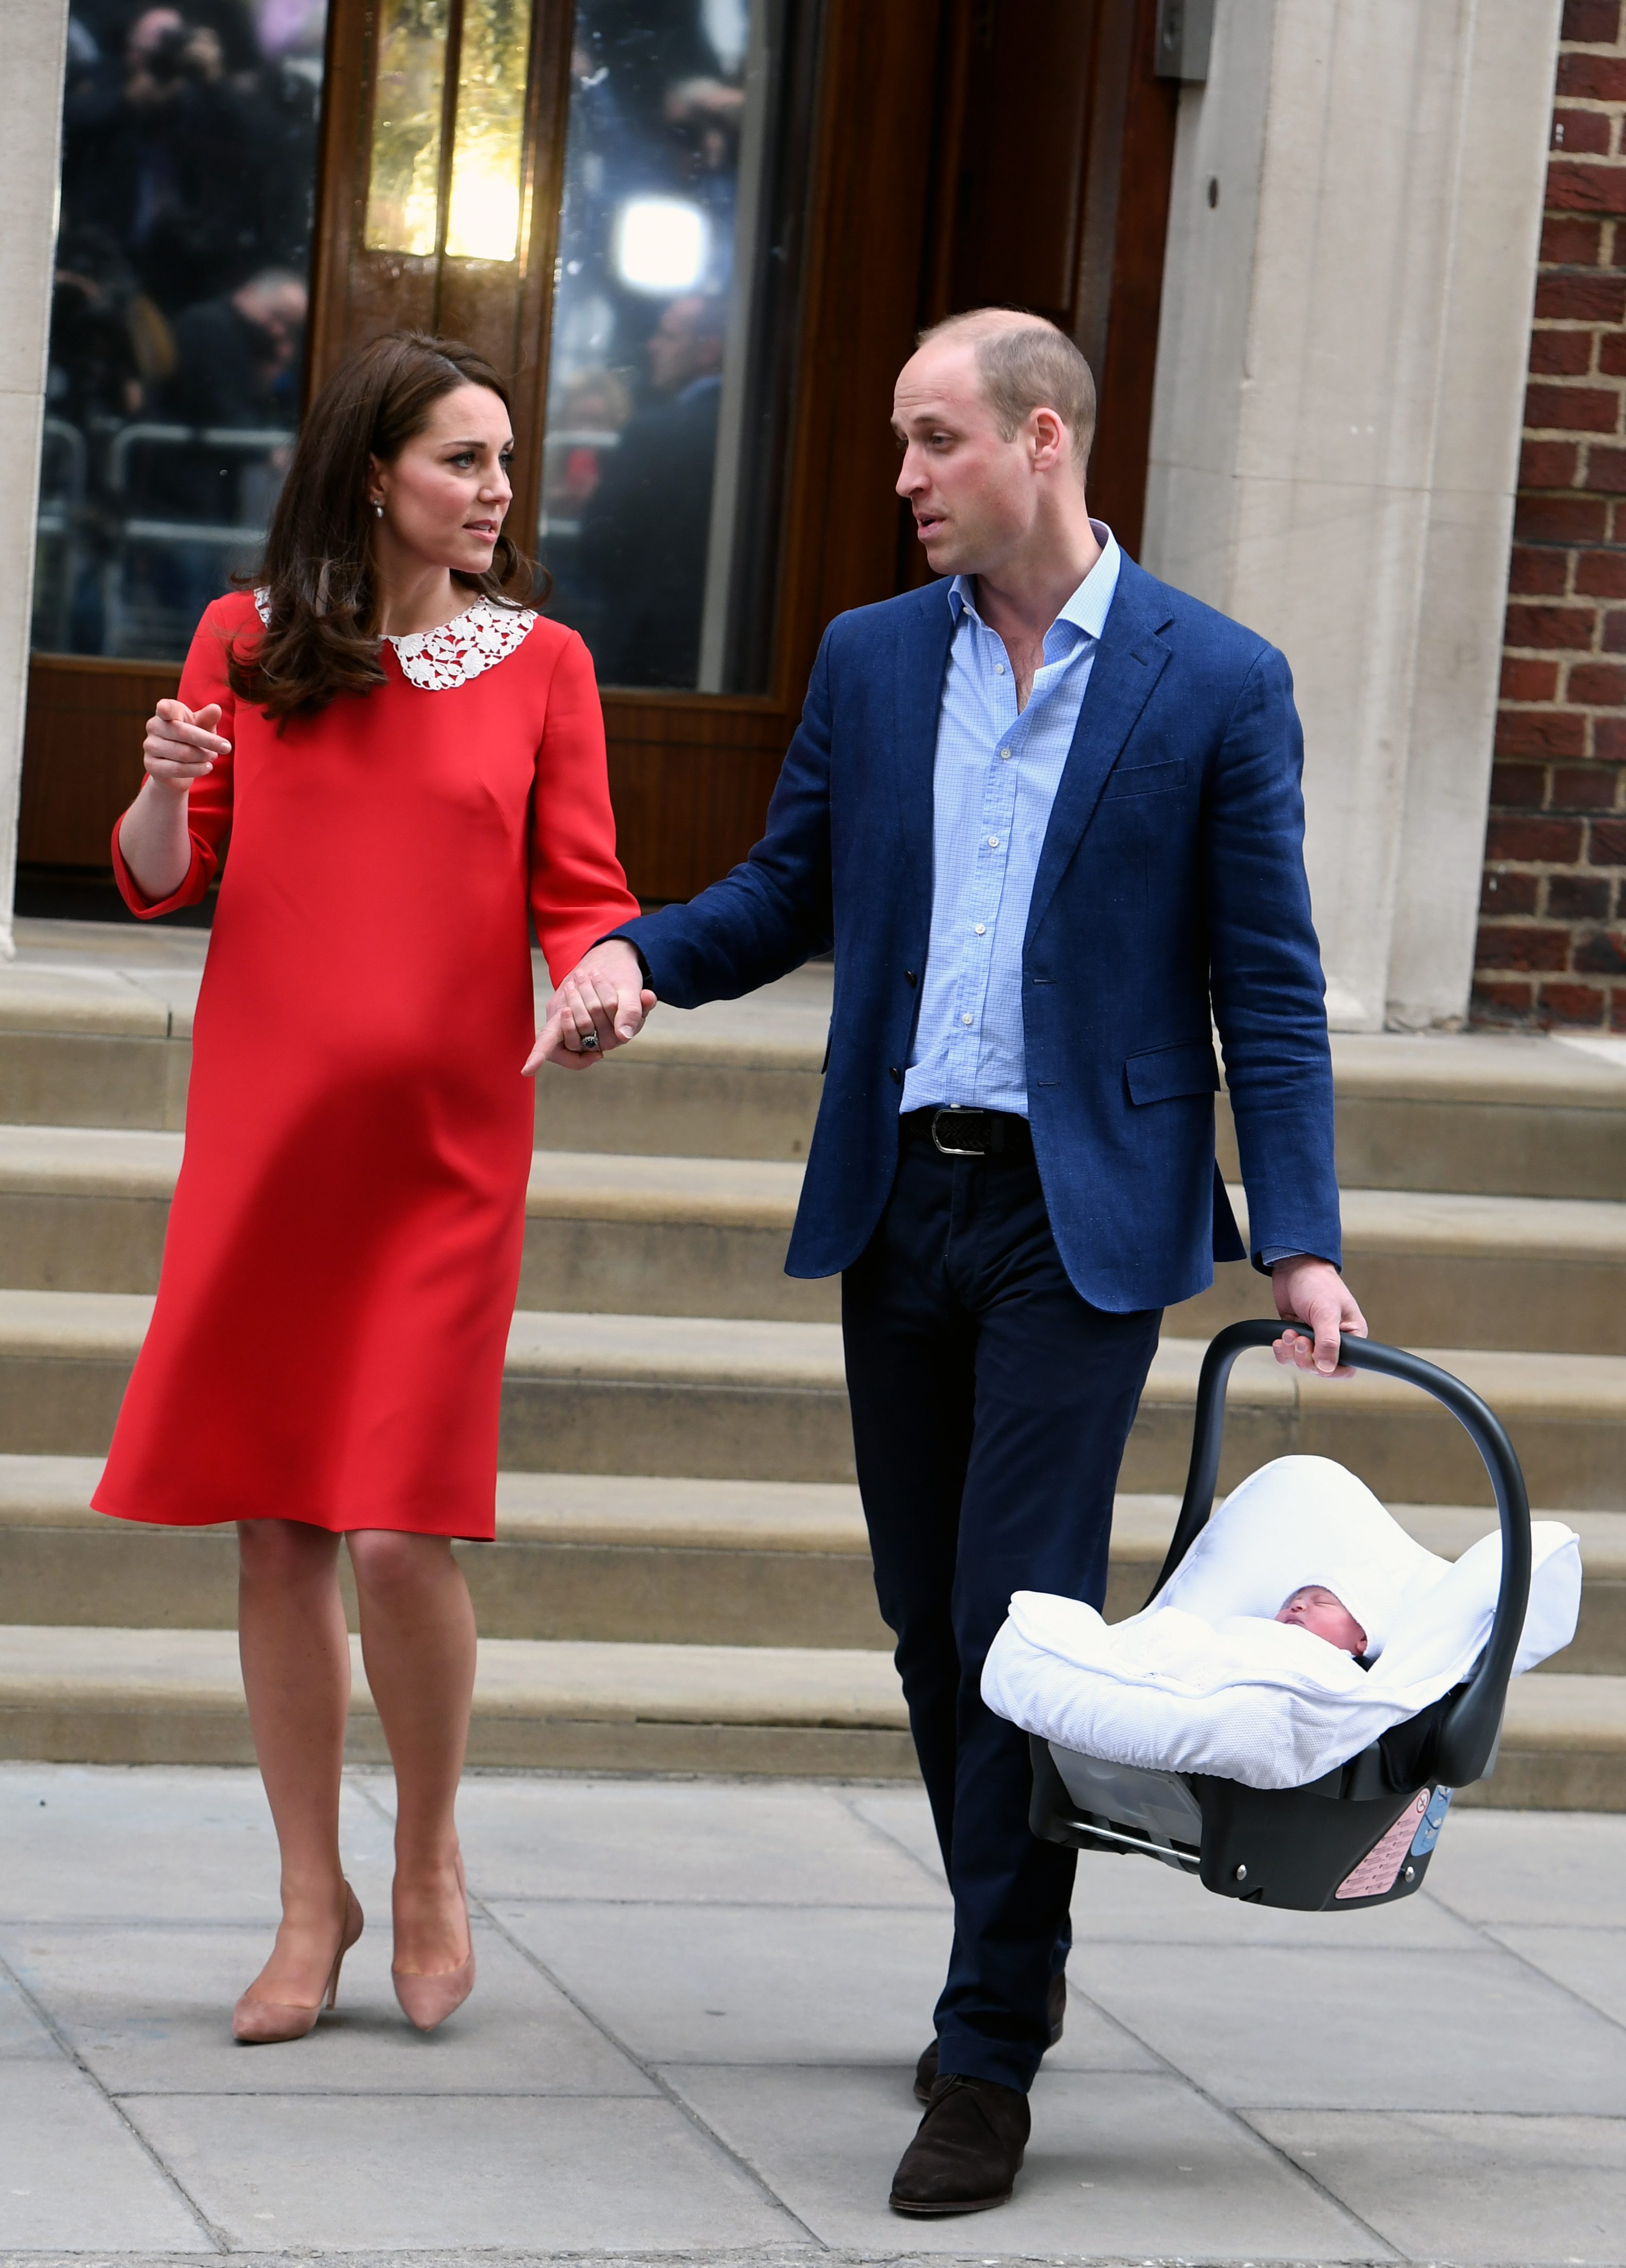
(589, 1043)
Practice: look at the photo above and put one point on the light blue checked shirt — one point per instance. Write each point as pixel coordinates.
(995, 779)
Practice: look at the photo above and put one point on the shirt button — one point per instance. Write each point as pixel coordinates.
(965, 1019)
(993, 842)
(999, 669)
(1004, 755)
(980, 928)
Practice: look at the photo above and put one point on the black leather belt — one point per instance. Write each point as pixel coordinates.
(960, 1132)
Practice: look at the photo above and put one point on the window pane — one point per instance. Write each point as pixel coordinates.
(403, 179)
(488, 149)
(673, 334)
(177, 316)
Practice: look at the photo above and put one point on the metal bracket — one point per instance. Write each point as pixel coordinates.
(1184, 35)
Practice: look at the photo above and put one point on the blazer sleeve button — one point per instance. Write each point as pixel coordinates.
(909, 976)
(894, 1074)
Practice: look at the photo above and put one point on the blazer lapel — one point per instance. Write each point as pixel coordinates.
(923, 662)
(1127, 663)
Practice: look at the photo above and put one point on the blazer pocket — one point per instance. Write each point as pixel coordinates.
(1147, 779)
(1161, 1073)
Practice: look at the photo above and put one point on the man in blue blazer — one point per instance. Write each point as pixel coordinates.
(1047, 814)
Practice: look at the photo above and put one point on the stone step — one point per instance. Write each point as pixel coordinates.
(175, 1696)
(712, 1398)
(83, 1209)
(609, 1557)
(96, 1021)
(135, 1695)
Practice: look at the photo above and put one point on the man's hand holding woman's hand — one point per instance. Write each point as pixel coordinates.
(601, 1005)
(1312, 1291)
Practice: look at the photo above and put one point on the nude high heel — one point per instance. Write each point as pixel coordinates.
(264, 2024)
(428, 2000)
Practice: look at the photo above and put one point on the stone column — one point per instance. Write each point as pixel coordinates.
(33, 47)
(1346, 315)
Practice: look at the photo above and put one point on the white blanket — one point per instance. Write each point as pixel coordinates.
(1204, 1680)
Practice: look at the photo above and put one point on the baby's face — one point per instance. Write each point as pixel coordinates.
(1324, 1614)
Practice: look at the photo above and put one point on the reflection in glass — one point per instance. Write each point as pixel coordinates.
(178, 311)
(488, 149)
(404, 181)
(673, 334)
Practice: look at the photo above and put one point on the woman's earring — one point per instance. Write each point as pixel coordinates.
(378, 512)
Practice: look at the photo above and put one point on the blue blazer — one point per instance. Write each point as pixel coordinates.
(1171, 880)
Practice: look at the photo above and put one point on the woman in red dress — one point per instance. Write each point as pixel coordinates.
(410, 761)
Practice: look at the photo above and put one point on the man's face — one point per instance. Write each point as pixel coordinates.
(972, 492)
(685, 344)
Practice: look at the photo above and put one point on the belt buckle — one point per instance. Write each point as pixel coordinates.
(955, 1110)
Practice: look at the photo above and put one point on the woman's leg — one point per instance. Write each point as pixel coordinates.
(297, 1673)
(417, 1639)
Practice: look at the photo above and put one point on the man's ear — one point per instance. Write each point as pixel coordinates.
(1050, 439)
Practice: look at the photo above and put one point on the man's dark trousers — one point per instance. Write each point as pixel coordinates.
(990, 1406)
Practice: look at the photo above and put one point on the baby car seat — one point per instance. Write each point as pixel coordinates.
(1362, 1835)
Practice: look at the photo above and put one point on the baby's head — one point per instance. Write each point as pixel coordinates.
(1313, 1607)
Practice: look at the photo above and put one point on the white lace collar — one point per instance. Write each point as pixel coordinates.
(471, 642)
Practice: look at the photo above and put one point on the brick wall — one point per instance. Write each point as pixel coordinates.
(1552, 939)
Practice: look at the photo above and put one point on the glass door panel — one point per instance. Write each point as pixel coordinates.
(403, 187)
(488, 150)
(673, 334)
(178, 312)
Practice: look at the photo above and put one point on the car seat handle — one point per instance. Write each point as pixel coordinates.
(1467, 1737)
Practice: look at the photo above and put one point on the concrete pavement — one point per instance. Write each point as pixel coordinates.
(698, 2007)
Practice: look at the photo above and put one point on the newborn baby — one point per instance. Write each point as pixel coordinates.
(1313, 1607)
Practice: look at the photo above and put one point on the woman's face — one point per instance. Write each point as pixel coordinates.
(444, 496)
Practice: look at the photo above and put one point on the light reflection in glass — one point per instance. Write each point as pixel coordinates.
(660, 244)
(488, 149)
(403, 186)
(674, 332)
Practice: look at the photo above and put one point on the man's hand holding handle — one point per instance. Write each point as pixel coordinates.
(1311, 1292)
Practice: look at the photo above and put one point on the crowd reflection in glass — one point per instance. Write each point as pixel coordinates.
(645, 298)
(178, 310)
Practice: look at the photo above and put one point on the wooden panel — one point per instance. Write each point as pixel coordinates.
(1127, 367)
(1017, 194)
(82, 754)
(1056, 149)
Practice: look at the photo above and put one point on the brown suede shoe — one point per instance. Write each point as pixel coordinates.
(926, 2069)
(966, 2151)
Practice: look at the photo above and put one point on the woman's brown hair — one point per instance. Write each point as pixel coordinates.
(322, 637)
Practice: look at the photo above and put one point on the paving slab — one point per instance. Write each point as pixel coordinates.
(1532, 1867)
(617, 1840)
(1138, 2164)
(739, 1986)
(192, 1842)
(1376, 2030)
(148, 2011)
(1589, 1963)
(1441, 2186)
(73, 2177)
(565, 2175)
(737, 1983)
(1289, 2092)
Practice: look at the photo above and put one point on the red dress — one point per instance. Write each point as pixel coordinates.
(344, 1244)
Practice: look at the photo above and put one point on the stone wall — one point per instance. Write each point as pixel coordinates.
(32, 41)
(1353, 230)
(1552, 939)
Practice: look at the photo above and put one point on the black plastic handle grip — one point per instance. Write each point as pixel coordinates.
(1468, 1736)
